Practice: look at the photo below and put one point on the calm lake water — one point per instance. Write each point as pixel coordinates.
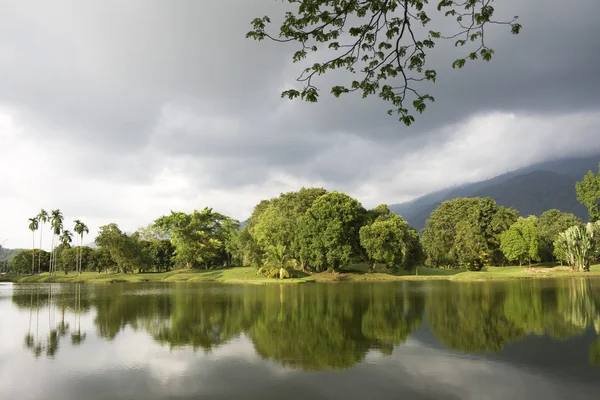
(413, 340)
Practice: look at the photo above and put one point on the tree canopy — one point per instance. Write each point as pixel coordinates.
(328, 234)
(390, 241)
(466, 231)
(383, 43)
(588, 193)
(521, 241)
(550, 224)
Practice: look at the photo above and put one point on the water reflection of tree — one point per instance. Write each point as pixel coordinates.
(325, 326)
(333, 328)
(484, 317)
(77, 337)
(49, 299)
(32, 342)
(316, 327)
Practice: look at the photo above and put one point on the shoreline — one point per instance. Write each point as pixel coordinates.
(247, 275)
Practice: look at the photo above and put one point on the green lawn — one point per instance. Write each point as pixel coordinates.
(354, 273)
(231, 275)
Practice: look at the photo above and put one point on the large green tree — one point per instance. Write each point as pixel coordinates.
(588, 193)
(21, 262)
(124, 250)
(383, 44)
(466, 231)
(160, 254)
(550, 224)
(388, 240)
(521, 241)
(100, 260)
(328, 233)
(199, 238)
(277, 223)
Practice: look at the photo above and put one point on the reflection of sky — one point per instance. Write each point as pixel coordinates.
(134, 366)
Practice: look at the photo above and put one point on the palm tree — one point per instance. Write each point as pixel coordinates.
(56, 221)
(42, 218)
(80, 229)
(66, 238)
(33, 226)
(277, 258)
(577, 245)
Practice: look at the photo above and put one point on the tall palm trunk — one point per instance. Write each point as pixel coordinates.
(52, 260)
(51, 245)
(79, 255)
(33, 253)
(40, 256)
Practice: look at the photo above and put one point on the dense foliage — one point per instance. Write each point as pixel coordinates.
(313, 230)
(588, 193)
(385, 43)
(466, 231)
(521, 241)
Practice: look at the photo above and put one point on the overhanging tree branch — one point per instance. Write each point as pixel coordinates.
(380, 43)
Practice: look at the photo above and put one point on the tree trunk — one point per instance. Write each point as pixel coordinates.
(40, 256)
(51, 254)
(80, 253)
(33, 253)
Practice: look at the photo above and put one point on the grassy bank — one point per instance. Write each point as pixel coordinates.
(356, 273)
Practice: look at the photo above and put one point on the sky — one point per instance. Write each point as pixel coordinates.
(120, 111)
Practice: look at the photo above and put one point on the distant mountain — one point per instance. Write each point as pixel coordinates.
(8, 254)
(531, 190)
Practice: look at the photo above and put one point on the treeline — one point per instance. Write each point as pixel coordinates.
(316, 230)
(475, 232)
(322, 230)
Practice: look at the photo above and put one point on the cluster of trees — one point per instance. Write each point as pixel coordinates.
(321, 327)
(320, 230)
(61, 240)
(466, 232)
(313, 229)
(475, 232)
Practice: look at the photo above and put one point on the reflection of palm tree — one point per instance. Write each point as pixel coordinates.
(52, 348)
(30, 341)
(76, 337)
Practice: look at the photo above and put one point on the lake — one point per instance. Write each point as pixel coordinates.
(534, 339)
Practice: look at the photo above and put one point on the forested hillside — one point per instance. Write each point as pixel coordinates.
(530, 190)
(8, 254)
